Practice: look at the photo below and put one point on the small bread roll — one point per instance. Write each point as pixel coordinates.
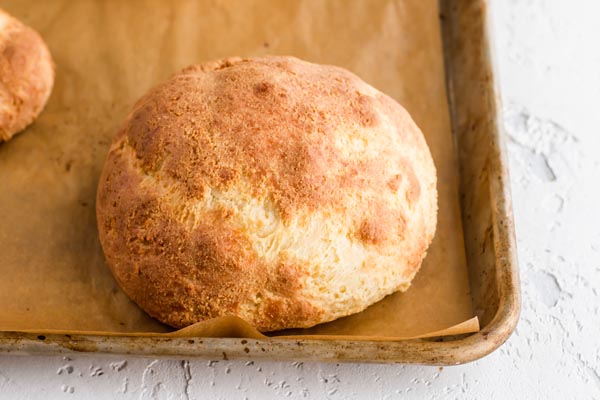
(280, 191)
(26, 76)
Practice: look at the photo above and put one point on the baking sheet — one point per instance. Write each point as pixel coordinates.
(109, 53)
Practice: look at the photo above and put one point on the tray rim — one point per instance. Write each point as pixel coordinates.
(445, 351)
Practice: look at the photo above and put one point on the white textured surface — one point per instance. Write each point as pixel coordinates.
(549, 60)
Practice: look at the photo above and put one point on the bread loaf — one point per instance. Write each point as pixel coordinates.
(26, 76)
(284, 192)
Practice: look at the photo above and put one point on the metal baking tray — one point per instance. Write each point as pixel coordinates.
(488, 236)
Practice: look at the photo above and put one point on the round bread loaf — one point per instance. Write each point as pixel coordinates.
(26, 76)
(283, 192)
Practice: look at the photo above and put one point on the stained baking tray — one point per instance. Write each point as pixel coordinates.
(486, 217)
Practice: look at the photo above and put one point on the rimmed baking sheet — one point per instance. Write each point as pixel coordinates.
(109, 53)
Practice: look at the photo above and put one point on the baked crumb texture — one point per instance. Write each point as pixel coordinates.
(284, 192)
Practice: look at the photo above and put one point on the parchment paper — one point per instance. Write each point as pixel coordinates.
(108, 53)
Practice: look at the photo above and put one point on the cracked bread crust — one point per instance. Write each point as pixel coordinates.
(26, 76)
(284, 192)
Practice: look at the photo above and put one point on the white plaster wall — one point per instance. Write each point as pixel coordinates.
(549, 57)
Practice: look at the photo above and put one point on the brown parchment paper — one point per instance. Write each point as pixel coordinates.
(108, 53)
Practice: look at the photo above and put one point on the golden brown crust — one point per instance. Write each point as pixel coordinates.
(222, 176)
(26, 76)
